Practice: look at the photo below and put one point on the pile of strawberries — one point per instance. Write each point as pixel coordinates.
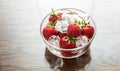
(68, 39)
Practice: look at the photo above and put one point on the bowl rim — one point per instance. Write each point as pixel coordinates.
(56, 48)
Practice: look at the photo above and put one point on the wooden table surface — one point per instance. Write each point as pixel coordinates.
(22, 48)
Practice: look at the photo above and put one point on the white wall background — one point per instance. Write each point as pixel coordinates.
(46, 5)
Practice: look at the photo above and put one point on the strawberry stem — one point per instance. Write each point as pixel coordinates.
(53, 13)
(83, 21)
(70, 39)
(78, 23)
(51, 24)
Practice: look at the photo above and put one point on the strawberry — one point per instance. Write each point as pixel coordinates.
(88, 31)
(62, 34)
(67, 53)
(53, 17)
(67, 43)
(59, 16)
(49, 31)
(73, 30)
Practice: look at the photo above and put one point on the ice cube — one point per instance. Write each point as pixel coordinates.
(66, 17)
(84, 40)
(69, 18)
(81, 41)
(88, 19)
(61, 26)
(72, 19)
(78, 41)
(54, 40)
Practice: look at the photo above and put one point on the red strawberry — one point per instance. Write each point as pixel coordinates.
(53, 18)
(59, 16)
(62, 34)
(67, 43)
(67, 53)
(49, 31)
(73, 30)
(88, 31)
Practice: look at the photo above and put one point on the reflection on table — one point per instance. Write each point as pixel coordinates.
(61, 64)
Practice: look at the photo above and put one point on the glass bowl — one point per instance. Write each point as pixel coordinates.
(73, 52)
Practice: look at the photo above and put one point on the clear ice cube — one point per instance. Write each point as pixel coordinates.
(81, 41)
(69, 18)
(54, 40)
(65, 17)
(61, 26)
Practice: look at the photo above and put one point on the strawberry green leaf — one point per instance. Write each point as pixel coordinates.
(70, 39)
(53, 13)
(51, 24)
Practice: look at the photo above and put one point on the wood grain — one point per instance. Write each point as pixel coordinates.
(22, 48)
